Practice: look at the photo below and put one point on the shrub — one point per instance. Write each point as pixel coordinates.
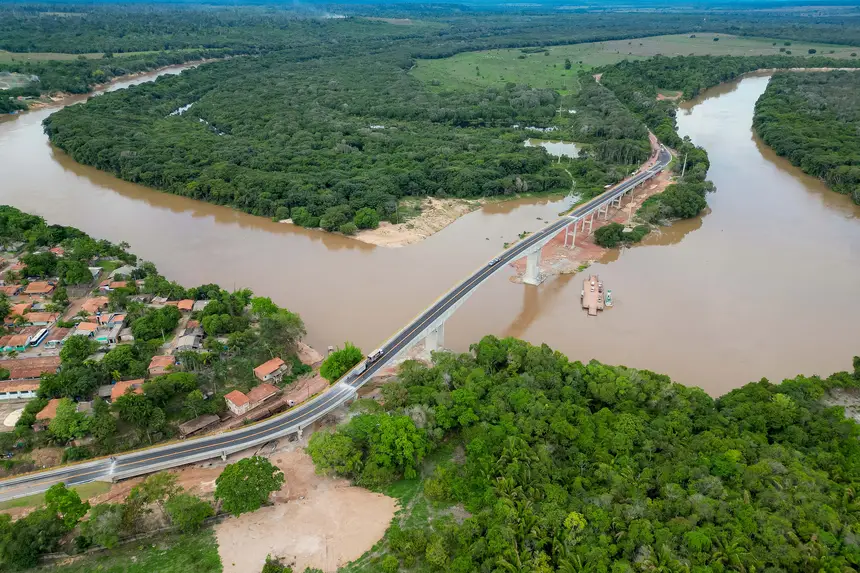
(348, 228)
(366, 218)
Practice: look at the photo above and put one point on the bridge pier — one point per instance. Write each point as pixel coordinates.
(573, 235)
(532, 275)
(435, 339)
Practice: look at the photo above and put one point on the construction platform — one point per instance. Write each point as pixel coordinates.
(592, 295)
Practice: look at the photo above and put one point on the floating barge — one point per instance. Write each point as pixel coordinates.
(592, 295)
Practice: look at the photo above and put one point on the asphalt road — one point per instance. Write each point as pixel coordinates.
(198, 449)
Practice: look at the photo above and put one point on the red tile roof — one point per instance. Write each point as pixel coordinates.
(185, 304)
(39, 287)
(49, 412)
(120, 388)
(18, 386)
(268, 367)
(158, 364)
(261, 392)
(94, 304)
(237, 398)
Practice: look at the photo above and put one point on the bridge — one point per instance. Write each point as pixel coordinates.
(429, 327)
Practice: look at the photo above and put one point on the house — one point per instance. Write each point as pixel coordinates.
(125, 335)
(57, 337)
(39, 288)
(95, 271)
(20, 309)
(186, 342)
(260, 394)
(124, 271)
(95, 304)
(197, 424)
(18, 389)
(42, 318)
(59, 251)
(49, 412)
(30, 368)
(17, 342)
(17, 267)
(86, 329)
(200, 305)
(122, 387)
(237, 402)
(161, 365)
(185, 305)
(11, 290)
(273, 370)
(109, 285)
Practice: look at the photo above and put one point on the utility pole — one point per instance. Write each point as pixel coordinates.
(684, 168)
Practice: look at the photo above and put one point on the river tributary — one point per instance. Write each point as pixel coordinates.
(765, 284)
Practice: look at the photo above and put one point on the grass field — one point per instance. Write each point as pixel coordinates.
(86, 491)
(546, 69)
(197, 553)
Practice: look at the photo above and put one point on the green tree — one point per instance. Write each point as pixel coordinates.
(567, 64)
(274, 565)
(68, 422)
(303, 218)
(104, 525)
(245, 485)
(340, 361)
(188, 512)
(366, 218)
(263, 306)
(335, 452)
(66, 504)
(77, 349)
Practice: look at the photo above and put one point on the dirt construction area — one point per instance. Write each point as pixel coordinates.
(315, 521)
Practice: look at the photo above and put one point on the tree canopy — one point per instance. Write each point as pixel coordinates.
(587, 467)
(245, 485)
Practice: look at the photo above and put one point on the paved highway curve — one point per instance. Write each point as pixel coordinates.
(198, 449)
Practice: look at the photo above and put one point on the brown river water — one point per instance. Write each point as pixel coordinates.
(765, 284)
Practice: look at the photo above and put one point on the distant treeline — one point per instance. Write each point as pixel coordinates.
(812, 119)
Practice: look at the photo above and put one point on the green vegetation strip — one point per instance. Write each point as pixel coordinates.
(197, 552)
(86, 491)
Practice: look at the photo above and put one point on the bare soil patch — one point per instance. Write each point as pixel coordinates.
(315, 522)
(436, 214)
(671, 97)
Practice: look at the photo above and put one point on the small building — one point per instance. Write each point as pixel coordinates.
(11, 290)
(39, 288)
(18, 389)
(260, 394)
(237, 402)
(161, 365)
(17, 266)
(17, 342)
(49, 412)
(30, 368)
(122, 387)
(125, 335)
(57, 337)
(200, 305)
(124, 271)
(185, 305)
(95, 304)
(59, 251)
(272, 370)
(42, 318)
(197, 424)
(20, 309)
(188, 342)
(86, 329)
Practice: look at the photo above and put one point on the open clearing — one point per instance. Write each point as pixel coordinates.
(545, 69)
(6, 57)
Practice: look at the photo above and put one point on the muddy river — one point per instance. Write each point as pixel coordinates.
(765, 284)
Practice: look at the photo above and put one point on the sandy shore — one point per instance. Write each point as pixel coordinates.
(556, 259)
(436, 214)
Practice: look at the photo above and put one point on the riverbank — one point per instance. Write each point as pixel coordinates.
(63, 98)
(557, 259)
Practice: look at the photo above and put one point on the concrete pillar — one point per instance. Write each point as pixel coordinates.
(435, 339)
(532, 275)
(573, 239)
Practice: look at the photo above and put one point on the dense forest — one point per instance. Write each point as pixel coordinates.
(563, 466)
(320, 140)
(812, 119)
